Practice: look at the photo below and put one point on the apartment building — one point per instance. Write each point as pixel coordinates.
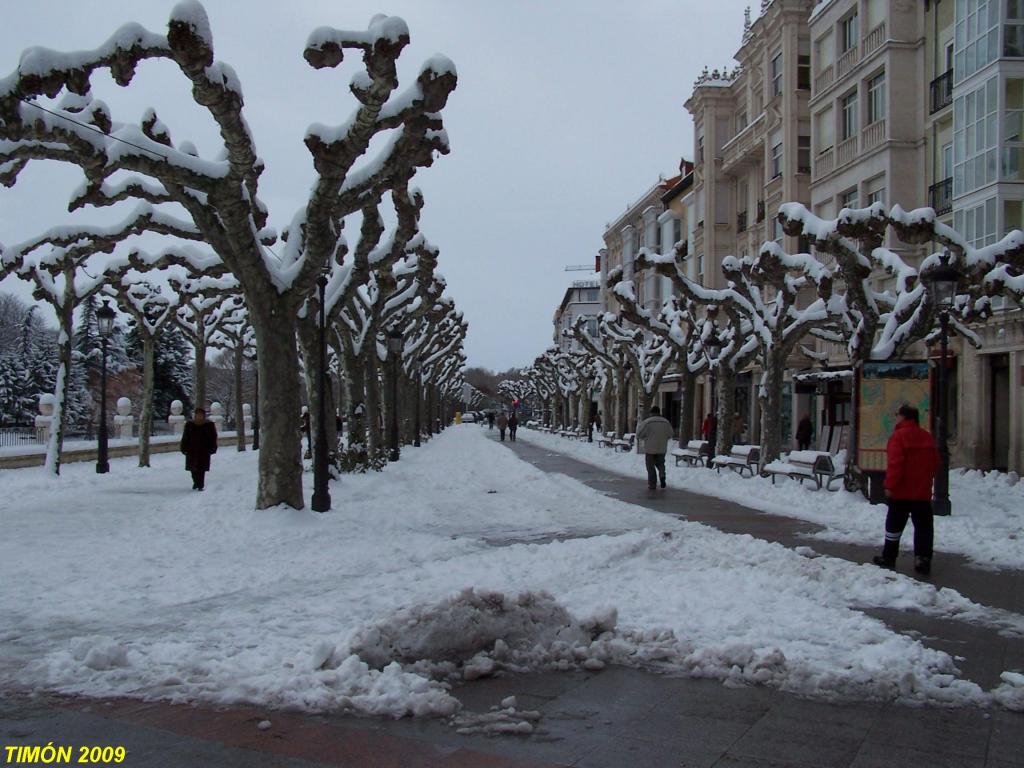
(581, 299)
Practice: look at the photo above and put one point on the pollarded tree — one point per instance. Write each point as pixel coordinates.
(234, 335)
(616, 365)
(222, 196)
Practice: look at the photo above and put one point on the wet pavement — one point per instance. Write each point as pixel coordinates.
(616, 717)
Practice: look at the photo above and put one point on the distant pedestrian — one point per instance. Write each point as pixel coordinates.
(198, 443)
(490, 419)
(513, 425)
(654, 432)
(502, 425)
(804, 432)
(911, 463)
(706, 427)
(597, 423)
(305, 429)
(738, 428)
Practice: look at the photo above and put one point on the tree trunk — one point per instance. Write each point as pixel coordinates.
(726, 409)
(771, 408)
(606, 404)
(686, 405)
(372, 384)
(61, 388)
(146, 412)
(199, 379)
(239, 413)
(621, 403)
(280, 462)
(309, 344)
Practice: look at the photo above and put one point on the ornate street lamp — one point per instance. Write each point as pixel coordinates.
(105, 325)
(394, 352)
(713, 348)
(942, 283)
(321, 491)
(419, 396)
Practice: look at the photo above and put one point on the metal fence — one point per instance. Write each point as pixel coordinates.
(14, 435)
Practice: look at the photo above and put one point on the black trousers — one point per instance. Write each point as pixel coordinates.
(655, 467)
(512, 433)
(501, 430)
(804, 445)
(198, 476)
(896, 520)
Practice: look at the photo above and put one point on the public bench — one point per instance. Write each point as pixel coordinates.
(807, 465)
(625, 444)
(740, 459)
(607, 440)
(696, 453)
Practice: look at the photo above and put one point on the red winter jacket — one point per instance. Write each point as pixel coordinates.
(912, 463)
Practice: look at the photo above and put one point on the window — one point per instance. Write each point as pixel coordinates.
(876, 191)
(741, 120)
(777, 229)
(803, 72)
(776, 71)
(803, 154)
(824, 48)
(777, 160)
(876, 98)
(848, 199)
(848, 107)
(974, 138)
(677, 231)
(1013, 127)
(700, 149)
(848, 33)
(975, 36)
(1013, 30)
(700, 265)
(946, 171)
(824, 129)
(977, 224)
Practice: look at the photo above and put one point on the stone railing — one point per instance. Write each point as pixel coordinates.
(824, 162)
(873, 39)
(874, 134)
(846, 151)
(847, 62)
(823, 79)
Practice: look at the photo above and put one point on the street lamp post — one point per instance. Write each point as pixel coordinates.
(942, 280)
(321, 491)
(105, 325)
(394, 352)
(713, 347)
(256, 404)
(419, 396)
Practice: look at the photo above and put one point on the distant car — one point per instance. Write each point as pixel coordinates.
(468, 418)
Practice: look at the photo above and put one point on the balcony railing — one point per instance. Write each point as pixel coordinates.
(823, 79)
(874, 133)
(942, 91)
(941, 196)
(824, 162)
(741, 221)
(847, 62)
(846, 150)
(873, 39)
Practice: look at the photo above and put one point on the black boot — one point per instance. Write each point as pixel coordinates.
(923, 565)
(883, 562)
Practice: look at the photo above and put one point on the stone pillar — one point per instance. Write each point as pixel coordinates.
(44, 421)
(247, 418)
(176, 420)
(124, 421)
(217, 415)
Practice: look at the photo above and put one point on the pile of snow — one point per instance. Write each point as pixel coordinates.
(987, 524)
(129, 584)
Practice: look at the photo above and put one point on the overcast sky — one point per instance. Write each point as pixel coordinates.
(565, 112)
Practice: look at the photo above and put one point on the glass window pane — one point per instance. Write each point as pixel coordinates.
(990, 166)
(991, 90)
(990, 131)
(990, 216)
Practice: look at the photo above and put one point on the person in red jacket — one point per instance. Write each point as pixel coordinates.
(912, 462)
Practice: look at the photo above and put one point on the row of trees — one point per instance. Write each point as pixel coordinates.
(217, 275)
(856, 292)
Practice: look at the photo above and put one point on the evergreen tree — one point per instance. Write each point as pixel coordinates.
(172, 370)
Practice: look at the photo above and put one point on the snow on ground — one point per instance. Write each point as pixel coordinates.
(459, 561)
(987, 524)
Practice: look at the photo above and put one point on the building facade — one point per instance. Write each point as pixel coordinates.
(581, 299)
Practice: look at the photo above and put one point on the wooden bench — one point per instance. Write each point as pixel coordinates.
(607, 440)
(625, 444)
(696, 453)
(807, 465)
(740, 459)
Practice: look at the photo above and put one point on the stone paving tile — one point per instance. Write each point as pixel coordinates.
(624, 752)
(1006, 741)
(963, 732)
(748, 761)
(812, 747)
(873, 755)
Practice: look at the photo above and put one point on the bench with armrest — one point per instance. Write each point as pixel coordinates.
(606, 440)
(808, 465)
(740, 459)
(696, 453)
(625, 444)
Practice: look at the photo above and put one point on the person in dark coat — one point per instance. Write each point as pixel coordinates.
(911, 463)
(513, 425)
(502, 424)
(198, 443)
(490, 419)
(804, 432)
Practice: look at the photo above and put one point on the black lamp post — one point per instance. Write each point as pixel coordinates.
(942, 280)
(105, 325)
(419, 396)
(256, 404)
(713, 347)
(321, 491)
(394, 352)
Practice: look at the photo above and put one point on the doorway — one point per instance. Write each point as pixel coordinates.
(1000, 412)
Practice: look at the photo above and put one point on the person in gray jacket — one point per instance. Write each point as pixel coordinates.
(654, 432)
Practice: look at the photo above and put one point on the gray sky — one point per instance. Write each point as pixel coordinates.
(565, 112)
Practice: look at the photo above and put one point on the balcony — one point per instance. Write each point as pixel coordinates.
(823, 79)
(874, 134)
(846, 151)
(746, 148)
(824, 162)
(873, 40)
(847, 62)
(741, 221)
(940, 196)
(942, 91)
